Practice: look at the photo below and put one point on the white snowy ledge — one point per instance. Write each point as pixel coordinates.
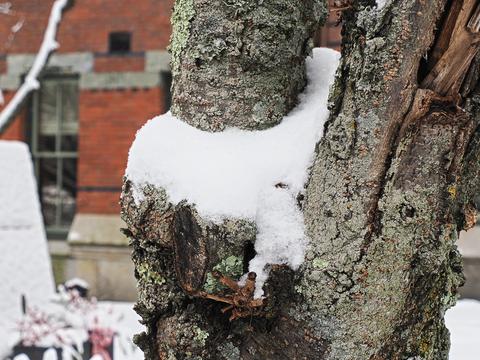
(233, 173)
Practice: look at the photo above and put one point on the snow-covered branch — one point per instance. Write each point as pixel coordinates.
(49, 45)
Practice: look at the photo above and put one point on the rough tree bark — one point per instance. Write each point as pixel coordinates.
(392, 184)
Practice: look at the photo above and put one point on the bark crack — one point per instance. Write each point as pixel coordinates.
(457, 44)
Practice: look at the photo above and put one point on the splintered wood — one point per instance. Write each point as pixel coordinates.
(457, 45)
(241, 302)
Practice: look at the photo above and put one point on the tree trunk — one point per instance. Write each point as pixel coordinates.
(392, 184)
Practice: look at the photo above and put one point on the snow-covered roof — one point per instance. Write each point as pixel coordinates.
(25, 266)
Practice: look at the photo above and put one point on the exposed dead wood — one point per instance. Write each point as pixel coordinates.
(191, 258)
(422, 104)
(241, 302)
(474, 23)
(458, 42)
(443, 39)
(446, 76)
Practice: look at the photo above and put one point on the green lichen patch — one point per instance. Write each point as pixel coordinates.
(319, 263)
(149, 275)
(183, 13)
(200, 336)
(232, 266)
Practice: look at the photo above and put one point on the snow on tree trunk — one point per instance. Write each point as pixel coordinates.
(391, 186)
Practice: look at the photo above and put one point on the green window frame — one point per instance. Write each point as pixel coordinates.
(54, 145)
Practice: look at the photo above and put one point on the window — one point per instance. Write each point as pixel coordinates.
(54, 143)
(119, 42)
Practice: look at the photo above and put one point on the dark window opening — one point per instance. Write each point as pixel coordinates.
(54, 145)
(119, 42)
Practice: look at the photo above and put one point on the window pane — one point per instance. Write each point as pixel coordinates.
(69, 191)
(69, 95)
(46, 143)
(48, 108)
(69, 143)
(119, 42)
(55, 133)
(48, 189)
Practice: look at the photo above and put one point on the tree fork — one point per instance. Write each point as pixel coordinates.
(235, 64)
(392, 184)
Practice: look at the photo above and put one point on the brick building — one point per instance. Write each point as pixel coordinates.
(108, 77)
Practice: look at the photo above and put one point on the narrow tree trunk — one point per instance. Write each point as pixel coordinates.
(392, 183)
(239, 63)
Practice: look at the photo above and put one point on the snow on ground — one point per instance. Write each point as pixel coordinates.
(118, 316)
(463, 321)
(25, 266)
(227, 174)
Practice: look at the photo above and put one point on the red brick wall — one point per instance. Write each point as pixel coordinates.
(86, 26)
(16, 130)
(98, 202)
(3, 66)
(108, 123)
(108, 119)
(119, 63)
(330, 34)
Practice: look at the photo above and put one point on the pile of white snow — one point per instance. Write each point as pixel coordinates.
(381, 4)
(25, 267)
(463, 321)
(223, 173)
(252, 175)
(280, 238)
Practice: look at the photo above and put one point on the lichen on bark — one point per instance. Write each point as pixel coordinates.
(377, 205)
(183, 13)
(383, 205)
(244, 62)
